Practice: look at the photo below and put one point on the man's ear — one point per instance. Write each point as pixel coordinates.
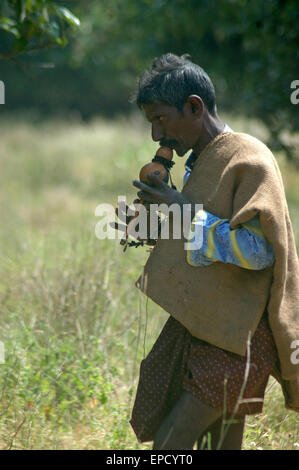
(196, 104)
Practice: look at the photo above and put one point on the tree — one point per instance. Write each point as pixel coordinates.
(249, 48)
(34, 24)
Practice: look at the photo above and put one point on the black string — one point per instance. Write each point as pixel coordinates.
(164, 161)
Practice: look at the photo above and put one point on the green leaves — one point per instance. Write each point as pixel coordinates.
(35, 24)
(9, 25)
(247, 46)
(54, 378)
(68, 16)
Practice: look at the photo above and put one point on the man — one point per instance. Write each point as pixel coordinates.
(233, 302)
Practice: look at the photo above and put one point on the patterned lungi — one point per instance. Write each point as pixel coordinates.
(178, 362)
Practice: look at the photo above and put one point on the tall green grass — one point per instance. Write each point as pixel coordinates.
(74, 326)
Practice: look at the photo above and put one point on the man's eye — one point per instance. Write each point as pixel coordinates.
(158, 118)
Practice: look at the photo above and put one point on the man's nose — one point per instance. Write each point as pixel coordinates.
(157, 132)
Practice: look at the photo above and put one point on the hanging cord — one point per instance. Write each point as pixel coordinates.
(168, 164)
(136, 354)
(145, 327)
(172, 185)
(138, 342)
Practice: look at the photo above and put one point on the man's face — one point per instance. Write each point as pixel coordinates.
(179, 130)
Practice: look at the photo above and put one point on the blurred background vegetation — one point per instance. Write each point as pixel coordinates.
(249, 48)
(73, 325)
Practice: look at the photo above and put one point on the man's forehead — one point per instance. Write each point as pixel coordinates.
(155, 109)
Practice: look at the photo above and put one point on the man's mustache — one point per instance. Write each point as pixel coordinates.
(168, 143)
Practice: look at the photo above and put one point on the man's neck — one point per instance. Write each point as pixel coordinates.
(212, 126)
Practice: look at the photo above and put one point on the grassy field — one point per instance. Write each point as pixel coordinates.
(74, 326)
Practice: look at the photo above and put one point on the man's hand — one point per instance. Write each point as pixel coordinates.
(159, 192)
(123, 214)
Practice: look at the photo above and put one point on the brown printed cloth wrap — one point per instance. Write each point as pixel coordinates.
(235, 177)
(218, 378)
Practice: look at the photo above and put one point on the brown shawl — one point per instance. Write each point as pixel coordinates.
(235, 177)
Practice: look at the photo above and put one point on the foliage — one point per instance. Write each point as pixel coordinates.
(35, 24)
(249, 48)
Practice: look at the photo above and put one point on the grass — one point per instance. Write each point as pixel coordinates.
(73, 324)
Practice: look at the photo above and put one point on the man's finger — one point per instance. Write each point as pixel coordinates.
(125, 216)
(157, 182)
(121, 213)
(155, 179)
(117, 226)
(143, 186)
(147, 197)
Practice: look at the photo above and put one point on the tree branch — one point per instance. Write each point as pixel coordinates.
(14, 53)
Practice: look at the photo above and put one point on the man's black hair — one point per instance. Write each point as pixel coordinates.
(171, 80)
